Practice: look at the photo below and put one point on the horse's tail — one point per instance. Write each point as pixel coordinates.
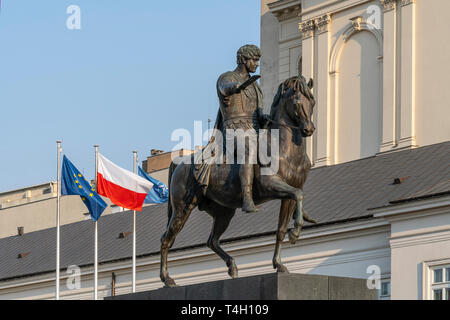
(169, 204)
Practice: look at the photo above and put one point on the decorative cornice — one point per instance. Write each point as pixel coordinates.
(281, 4)
(306, 28)
(416, 209)
(322, 23)
(287, 13)
(389, 5)
(357, 23)
(407, 2)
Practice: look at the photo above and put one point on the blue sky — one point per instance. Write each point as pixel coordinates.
(133, 73)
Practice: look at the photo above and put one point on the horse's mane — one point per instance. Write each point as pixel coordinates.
(298, 84)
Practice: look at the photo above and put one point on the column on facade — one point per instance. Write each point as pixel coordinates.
(321, 85)
(407, 74)
(390, 108)
(307, 30)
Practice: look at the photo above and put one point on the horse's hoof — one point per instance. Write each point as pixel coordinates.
(293, 236)
(282, 269)
(233, 271)
(249, 210)
(248, 206)
(306, 217)
(309, 219)
(169, 283)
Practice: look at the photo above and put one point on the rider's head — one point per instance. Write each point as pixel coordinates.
(249, 55)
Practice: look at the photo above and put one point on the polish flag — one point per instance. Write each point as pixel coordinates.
(122, 187)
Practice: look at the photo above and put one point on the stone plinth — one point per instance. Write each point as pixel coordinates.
(264, 287)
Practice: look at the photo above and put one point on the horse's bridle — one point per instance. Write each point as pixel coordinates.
(283, 124)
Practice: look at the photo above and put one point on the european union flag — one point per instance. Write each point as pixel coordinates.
(159, 192)
(73, 183)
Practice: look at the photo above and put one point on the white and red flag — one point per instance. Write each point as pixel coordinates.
(122, 187)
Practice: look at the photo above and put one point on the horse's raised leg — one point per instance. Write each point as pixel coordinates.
(282, 190)
(175, 225)
(222, 217)
(286, 210)
(294, 233)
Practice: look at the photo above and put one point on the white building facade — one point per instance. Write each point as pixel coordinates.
(404, 251)
(348, 250)
(380, 71)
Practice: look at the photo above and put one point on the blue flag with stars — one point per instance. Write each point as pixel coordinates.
(73, 183)
(159, 192)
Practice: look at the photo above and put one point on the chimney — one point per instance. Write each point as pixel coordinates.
(22, 255)
(155, 152)
(400, 180)
(123, 235)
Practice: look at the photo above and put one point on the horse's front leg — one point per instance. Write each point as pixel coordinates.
(279, 189)
(286, 210)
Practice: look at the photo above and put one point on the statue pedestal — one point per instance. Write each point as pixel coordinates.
(264, 287)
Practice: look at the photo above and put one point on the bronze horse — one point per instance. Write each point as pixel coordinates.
(291, 113)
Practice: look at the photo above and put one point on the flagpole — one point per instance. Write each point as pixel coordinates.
(134, 232)
(96, 233)
(58, 192)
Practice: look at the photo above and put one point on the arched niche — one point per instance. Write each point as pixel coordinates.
(356, 76)
(356, 26)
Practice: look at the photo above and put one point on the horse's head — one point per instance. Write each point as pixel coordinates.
(294, 104)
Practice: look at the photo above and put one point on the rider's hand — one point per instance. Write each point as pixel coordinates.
(265, 121)
(235, 88)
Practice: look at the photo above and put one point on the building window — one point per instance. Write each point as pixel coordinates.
(440, 284)
(385, 289)
(437, 294)
(437, 275)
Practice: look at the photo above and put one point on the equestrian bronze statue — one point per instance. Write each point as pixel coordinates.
(220, 189)
(242, 109)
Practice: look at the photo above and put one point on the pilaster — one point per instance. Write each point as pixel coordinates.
(390, 116)
(407, 76)
(321, 90)
(307, 31)
(398, 75)
(389, 5)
